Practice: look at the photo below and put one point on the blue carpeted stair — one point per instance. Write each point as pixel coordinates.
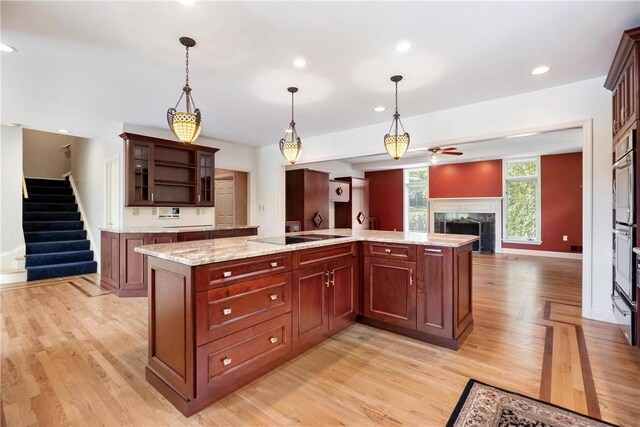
(56, 241)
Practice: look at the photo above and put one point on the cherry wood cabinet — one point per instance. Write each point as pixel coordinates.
(307, 198)
(214, 328)
(161, 172)
(390, 291)
(623, 81)
(355, 212)
(123, 271)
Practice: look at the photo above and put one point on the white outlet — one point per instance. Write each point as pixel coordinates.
(135, 211)
(565, 238)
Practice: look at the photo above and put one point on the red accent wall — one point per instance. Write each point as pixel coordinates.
(560, 203)
(472, 179)
(385, 198)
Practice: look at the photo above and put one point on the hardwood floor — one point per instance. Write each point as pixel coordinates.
(73, 354)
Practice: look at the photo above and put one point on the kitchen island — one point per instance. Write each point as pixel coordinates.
(224, 312)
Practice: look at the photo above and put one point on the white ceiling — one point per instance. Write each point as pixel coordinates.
(87, 65)
(545, 143)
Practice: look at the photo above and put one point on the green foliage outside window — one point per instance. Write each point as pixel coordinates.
(522, 200)
(517, 169)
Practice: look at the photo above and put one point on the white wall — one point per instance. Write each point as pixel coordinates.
(336, 169)
(43, 155)
(11, 237)
(88, 169)
(576, 102)
(231, 156)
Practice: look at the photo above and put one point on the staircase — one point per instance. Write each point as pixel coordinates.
(56, 242)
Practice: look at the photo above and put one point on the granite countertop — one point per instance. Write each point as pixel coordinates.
(175, 229)
(209, 251)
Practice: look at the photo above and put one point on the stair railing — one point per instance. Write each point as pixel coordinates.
(25, 193)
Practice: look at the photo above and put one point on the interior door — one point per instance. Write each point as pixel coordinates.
(225, 203)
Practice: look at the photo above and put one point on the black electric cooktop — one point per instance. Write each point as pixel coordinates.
(302, 238)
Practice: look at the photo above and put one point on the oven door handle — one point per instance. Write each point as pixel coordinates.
(624, 233)
(624, 160)
(624, 313)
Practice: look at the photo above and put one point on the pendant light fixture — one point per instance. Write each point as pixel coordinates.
(396, 143)
(185, 125)
(291, 145)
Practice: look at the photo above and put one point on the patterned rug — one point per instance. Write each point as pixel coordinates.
(482, 405)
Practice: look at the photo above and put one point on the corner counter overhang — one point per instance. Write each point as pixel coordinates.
(211, 251)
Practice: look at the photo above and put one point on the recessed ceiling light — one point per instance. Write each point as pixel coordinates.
(63, 131)
(403, 46)
(379, 109)
(7, 48)
(540, 70)
(300, 62)
(520, 135)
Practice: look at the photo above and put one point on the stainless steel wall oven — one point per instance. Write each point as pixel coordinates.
(623, 298)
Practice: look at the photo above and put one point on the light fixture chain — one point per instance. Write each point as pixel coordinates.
(186, 82)
(396, 97)
(292, 121)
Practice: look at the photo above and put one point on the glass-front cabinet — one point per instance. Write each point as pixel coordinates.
(140, 170)
(205, 166)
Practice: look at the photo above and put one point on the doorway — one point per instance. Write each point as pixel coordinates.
(231, 193)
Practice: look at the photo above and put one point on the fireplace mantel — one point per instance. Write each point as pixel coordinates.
(470, 205)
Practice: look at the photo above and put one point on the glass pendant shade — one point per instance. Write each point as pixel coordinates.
(396, 141)
(185, 125)
(291, 145)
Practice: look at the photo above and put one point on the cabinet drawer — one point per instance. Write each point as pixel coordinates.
(229, 309)
(390, 250)
(226, 273)
(236, 359)
(323, 254)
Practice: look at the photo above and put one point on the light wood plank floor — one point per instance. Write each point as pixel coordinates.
(75, 355)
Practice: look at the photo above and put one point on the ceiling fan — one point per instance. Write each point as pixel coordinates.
(452, 151)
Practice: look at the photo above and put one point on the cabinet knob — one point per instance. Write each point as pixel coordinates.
(273, 297)
(387, 251)
(226, 361)
(226, 311)
(273, 340)
(274, 264)
(226, 274)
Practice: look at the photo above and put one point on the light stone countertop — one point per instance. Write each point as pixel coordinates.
(636, 250)
(174, 229)
(209, 251)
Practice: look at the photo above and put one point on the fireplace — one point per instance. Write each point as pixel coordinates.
(481, 225)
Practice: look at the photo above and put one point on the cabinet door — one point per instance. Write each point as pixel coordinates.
(205, 178)
(310, 323)
(435, 291)
(615, 110)
(110, 259)
(316, 200)
(343, 280)
(389, 291)
(133, 265)
(139, 175)
(628, 111)
(157, 238)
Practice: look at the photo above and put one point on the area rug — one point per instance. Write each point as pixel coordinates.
(482, 405)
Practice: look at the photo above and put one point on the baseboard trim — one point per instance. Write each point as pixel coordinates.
(13, 276)
(550, 254)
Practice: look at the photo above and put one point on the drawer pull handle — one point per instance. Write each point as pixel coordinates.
(226, 361)
(226, 274)
(274, 264)
(411, 277)
(438, 251)
(326, 282)
(387, 251)
(226, 311)
(273, 340)
(273, 297)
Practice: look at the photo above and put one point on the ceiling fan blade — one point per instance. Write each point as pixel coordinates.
(452, 153)
(448, 149)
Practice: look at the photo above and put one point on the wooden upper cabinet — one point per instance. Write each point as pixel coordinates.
(160, 172)
(307, 198)
(354, 214)
(623, 81)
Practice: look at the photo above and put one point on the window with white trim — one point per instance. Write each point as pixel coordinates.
(416, 213)
(522, 200)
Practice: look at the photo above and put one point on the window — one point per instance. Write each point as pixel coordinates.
(522, 200)
(416, 217)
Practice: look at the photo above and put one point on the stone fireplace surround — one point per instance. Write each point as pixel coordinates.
(455, 208)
